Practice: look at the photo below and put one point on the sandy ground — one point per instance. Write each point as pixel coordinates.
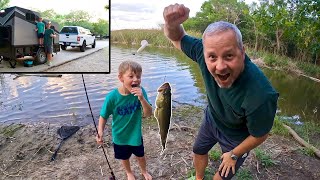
(97, 62)
(26, 151)
(62, 57)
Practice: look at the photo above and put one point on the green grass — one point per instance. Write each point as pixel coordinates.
(214, 154)
(244, 174)
(278, 128)
(155, 37)
(264, 158)
(309, 69)
(307, 151)
(309, 131)
(207, 174)
(10, 130)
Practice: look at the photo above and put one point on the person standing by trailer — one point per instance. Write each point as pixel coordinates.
(48, 42)
(40, 31)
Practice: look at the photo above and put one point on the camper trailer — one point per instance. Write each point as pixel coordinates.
(18, 38)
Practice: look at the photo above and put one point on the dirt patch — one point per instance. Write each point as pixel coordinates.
(27, 151)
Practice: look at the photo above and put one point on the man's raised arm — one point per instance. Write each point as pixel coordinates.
(174, 16)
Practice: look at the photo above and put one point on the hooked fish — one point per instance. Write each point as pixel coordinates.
(163, 112)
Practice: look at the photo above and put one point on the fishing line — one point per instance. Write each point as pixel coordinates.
(105, 155)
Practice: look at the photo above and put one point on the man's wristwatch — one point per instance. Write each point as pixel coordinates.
(233, 156)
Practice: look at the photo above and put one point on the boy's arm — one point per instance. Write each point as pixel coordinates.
(101, 126)
(147, 109)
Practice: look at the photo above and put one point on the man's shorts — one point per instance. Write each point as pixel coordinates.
(209, 135)
(48, 49)
(124, 152)
(40, 35)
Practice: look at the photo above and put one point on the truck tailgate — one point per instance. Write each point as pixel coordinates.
(68, 38)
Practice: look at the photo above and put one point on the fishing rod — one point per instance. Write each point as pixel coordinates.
(104, 152)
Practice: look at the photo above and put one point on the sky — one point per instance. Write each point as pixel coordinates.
(145, 14)
(95, 8)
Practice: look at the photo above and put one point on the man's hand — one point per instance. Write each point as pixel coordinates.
(176, 14)
(227, 164)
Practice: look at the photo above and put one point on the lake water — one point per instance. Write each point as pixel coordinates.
(63, 101)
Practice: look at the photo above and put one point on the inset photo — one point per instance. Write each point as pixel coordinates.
(54, 36)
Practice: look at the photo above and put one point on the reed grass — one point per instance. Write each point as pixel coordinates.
(155, 37)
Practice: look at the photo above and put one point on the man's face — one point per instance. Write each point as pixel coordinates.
(224, 59)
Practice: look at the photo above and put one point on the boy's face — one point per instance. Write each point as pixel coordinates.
(129, 79)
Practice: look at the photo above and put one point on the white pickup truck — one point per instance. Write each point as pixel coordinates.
(76, 36)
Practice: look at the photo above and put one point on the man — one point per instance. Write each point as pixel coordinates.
(48, 42)
(241, 101)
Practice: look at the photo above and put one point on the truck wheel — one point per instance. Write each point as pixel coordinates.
(83, 47)
(40, 57)
(63, 47)
(94, 44)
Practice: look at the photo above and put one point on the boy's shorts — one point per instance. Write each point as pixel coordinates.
(48, 49)
(209, 135)
(40, 35)
(124, 151)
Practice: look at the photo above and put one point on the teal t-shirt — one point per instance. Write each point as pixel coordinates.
(48, 40)
(126, 114)
(40, 27)
(248, 107)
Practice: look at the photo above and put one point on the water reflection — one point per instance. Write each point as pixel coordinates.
(298, 95)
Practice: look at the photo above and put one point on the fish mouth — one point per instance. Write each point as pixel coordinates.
(223, 77)
(164, 87)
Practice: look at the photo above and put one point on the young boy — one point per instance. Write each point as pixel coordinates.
(48, 42)
(126, 104)
(40, 31)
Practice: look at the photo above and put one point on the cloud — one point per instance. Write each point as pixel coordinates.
(132, 8)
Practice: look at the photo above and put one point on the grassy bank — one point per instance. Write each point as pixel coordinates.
(156, 38)
(309, 131)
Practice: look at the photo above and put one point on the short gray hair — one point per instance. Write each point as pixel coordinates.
(221, 26)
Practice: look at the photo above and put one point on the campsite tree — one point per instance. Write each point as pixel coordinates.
(101, 27)
(4, 4)
(78, 16)
(107, 7)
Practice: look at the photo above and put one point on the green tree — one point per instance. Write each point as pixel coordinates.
(232, 11)
(78, 16)
(4, 4)
(101, 27)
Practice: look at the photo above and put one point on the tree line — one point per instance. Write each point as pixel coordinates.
(284, 27)
(77, 18)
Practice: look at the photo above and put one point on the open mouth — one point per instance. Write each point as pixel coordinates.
(223, 77)
(134, 85)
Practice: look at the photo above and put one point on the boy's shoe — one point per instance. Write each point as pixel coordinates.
(49, 63)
